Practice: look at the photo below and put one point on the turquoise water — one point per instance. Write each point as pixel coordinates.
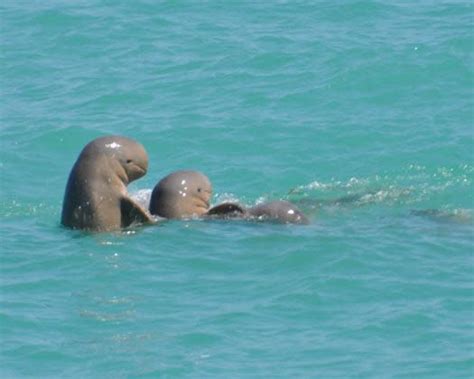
(361, 112)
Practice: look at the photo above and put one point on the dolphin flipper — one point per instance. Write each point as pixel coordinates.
(133, 213)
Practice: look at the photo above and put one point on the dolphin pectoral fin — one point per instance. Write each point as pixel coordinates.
(226, 210)
(133, 213)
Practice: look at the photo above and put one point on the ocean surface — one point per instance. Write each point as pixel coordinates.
(360, 112)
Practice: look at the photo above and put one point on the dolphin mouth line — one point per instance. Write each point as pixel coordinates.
(202, 204)
(140, 169)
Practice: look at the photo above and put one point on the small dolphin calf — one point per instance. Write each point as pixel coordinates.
(96, 197)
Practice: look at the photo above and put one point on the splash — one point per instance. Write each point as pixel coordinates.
(440, 187)
(142, 197)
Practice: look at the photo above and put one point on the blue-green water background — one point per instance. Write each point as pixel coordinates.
(311, 101)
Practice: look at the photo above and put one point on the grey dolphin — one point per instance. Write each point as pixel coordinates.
(279, 211)
(181, 194)
(96, 196)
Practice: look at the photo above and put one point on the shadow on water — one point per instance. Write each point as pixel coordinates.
(456, 216)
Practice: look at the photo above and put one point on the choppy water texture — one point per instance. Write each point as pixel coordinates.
(359, 111)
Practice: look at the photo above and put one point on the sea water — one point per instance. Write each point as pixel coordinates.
(361, 112)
